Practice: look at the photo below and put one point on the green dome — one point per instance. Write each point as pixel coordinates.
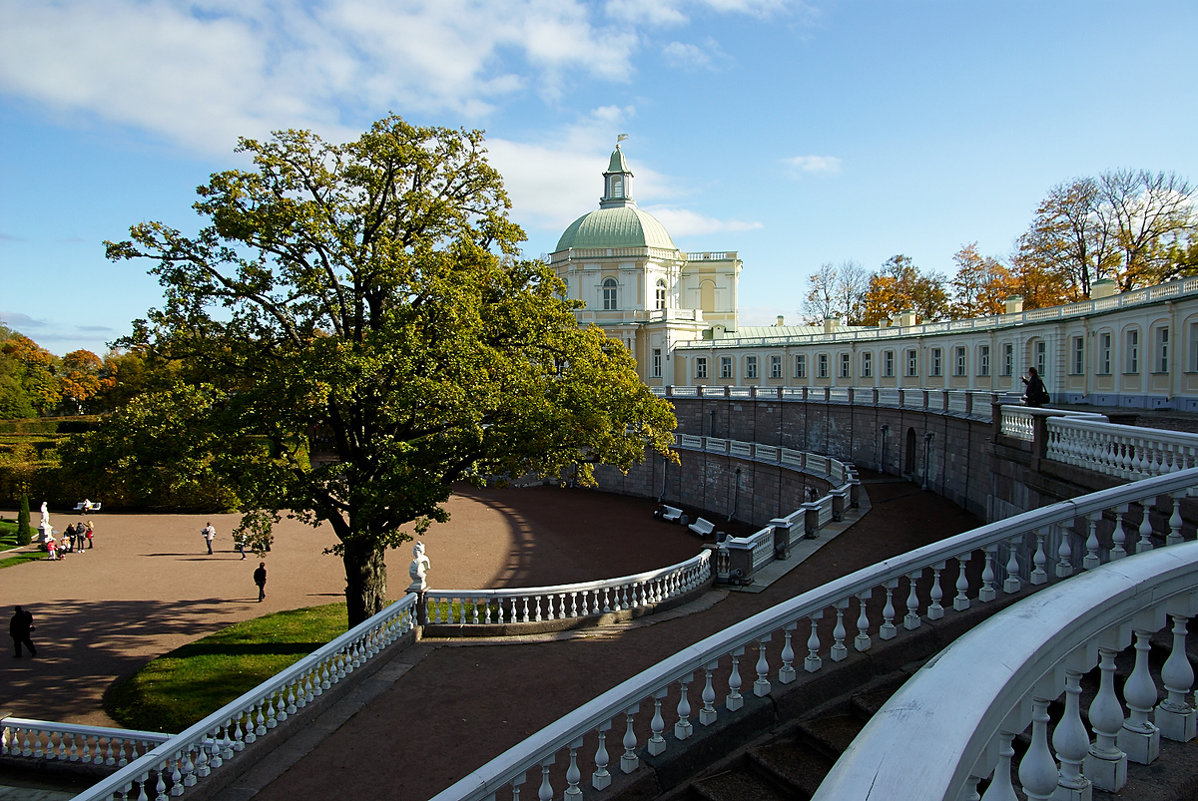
(620, 227)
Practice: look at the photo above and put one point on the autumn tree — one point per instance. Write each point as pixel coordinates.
(82, 378)
(33, 375)
(980, 286)
(901, 286)
(358, 333)
(1145, 212)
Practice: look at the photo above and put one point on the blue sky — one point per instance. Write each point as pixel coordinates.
(796, 133)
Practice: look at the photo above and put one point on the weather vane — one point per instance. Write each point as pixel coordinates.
(620, 139)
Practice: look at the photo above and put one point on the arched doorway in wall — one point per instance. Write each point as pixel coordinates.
(707, 295)
(909, 453)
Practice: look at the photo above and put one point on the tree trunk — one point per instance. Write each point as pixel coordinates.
(365, 580)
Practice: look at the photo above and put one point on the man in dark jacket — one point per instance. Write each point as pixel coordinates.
(260, 580)
(19, 628)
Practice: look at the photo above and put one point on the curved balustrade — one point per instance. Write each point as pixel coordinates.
(68, 742)
(1127, 452)
(951, 725)
(568, 601)
(188, 757)
(1032, 548)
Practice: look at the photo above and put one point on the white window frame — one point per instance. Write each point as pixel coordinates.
(1131, 360)
(935, 362)
(800, 365)
(700, 367)
(984, 361)
(726, 367)
(655, 366)
(751, 367)
(1160, 349)
(775, 367)
(611, 300)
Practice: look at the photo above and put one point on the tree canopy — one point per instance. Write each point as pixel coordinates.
(355, 331)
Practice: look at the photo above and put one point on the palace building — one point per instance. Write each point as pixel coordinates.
(677, 313)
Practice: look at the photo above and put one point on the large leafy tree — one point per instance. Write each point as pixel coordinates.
(359, 332)
(901, 286)
(980, 285)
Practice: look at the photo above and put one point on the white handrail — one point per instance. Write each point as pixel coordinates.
(949, 717)
(71, 742)
(194, 753)
(568, 601)
(1025, 538)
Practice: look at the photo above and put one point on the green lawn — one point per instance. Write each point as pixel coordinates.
(177, 689)
(8, 534)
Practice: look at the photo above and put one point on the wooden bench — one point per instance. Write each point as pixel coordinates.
(95, 507)
(703, 528)
(671, 514)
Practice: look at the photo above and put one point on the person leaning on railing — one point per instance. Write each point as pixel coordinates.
(1035, 394)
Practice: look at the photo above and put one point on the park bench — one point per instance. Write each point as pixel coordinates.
(95, 507)
(671, 514)
(702, 527)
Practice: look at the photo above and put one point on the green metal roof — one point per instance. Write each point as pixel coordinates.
(620, 227)
(617, 163)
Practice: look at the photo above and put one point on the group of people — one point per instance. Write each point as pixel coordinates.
(76, 539)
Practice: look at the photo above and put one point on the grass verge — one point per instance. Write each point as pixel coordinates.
(181, 687)
(21, 558)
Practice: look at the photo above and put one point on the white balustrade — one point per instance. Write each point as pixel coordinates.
(1009, 546)
(568, 601)
(188, 757)
(956, 718)
(68, 742)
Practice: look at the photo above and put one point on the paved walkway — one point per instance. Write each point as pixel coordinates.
(148, 586)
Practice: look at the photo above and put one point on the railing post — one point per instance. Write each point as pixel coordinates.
(838, 497)
(810, 519)
(1039, 439)
(781, 528)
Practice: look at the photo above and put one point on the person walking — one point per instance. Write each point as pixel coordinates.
(209, 535)
(19, 628)
(260, 580)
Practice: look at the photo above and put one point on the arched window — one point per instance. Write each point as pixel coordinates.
(661, 293)
(609, 294)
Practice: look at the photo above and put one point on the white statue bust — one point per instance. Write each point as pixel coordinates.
(419, 568)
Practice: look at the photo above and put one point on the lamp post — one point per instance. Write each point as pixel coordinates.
(735, 494)
(927, 455)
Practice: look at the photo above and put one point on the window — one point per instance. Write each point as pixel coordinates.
(656, 367)
(725, 367)
(1077, 360)
(983, 360)
(1104, 353)
(750, 367)
(1008, 359)
(1160, 349)
(912, 363)
(609, 294)
(1132, 360)
(936, 361)
(867, 365)
(1192, 364)
(1040, 356)
(775, 367)
(661, 294)
(700, 367)
(845, 365)
(823, 365)
(801, 365)
(888, 364)
(959, 360)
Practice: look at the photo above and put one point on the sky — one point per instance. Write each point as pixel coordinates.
(795, 133)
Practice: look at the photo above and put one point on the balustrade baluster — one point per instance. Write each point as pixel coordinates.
(657, 742)
(109, 756)
(1013, 583)
(1175, 716)
(961, 599)
(272, 719)
(888, 631)
(1071, 742)
(1175, 520)
(1064, 553)
(935, 609)
(573, 774)
(1145, 543)
(1000, 788)
(683, 728)
(987, 591)
(1039, 574)
(1106, 764)
(786, 674)
(735, 701)
(72, 754)
(813, 662)
(708, 714)
(160, 786)
(862, 642)
(545, 791)
(761, 687)
(1091, 560)
(86, 755)
(629, 761)
(601, 779)
(1119, 536)
(911, 620)
(1139, 738)
(839, 651)
(970, 791)
(1037, 769)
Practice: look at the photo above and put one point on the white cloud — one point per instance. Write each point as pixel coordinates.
(800, 164)
(684, 222)
(692, 56)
